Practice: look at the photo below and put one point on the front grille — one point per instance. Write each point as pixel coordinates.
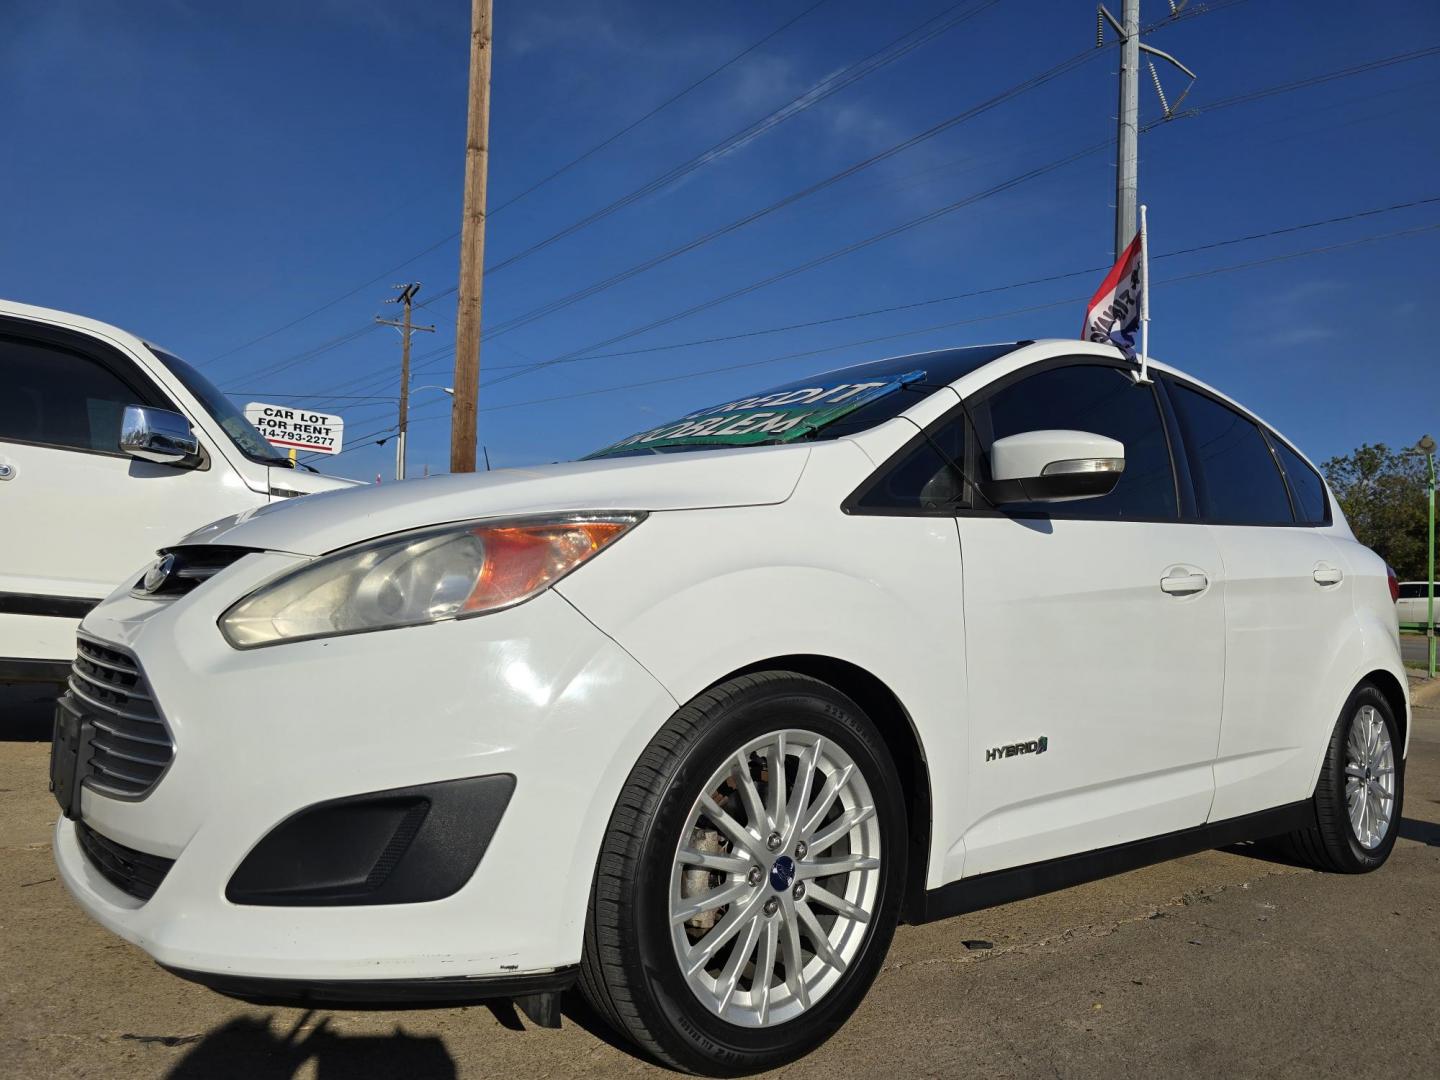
(188, 568)
(131, 746)
(130, 871)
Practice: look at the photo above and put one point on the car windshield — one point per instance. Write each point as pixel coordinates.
(242, 433)
(826, 406)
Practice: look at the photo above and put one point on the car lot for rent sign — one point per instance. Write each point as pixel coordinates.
(297, 429)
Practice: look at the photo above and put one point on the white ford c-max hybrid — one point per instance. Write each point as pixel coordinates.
(696, 721)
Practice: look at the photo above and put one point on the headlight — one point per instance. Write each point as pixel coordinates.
(420, 577)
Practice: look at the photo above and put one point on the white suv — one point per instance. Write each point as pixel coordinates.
(696, 722)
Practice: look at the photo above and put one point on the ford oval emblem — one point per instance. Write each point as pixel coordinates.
(159, 574)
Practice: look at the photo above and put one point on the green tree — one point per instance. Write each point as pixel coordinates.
(1383, 494)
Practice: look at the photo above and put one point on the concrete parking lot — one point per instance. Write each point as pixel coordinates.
(1227, 963)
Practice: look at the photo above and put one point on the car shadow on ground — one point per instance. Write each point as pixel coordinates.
(1271, 851)
(574, 1008)
(252, 1048)
(1424, 832)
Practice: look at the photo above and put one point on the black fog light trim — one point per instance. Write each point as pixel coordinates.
(401, 846)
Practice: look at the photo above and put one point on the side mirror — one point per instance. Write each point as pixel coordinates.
(157, 435)
(1053, 466)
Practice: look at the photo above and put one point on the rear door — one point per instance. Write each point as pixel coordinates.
(1287, 599)
(1094, 637)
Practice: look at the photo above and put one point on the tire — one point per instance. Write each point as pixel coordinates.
(1335, 842)
(727, 1019)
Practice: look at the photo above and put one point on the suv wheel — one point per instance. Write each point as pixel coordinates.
(1361, 790)
(751, 877)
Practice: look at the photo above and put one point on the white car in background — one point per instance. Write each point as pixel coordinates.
(694, 723)
(1412, 604)
(110, 447)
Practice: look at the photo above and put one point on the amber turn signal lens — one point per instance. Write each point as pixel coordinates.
(521, 560)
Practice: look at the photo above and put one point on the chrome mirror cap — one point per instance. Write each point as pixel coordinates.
(157, 435)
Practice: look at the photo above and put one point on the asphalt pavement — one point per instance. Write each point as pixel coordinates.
(1414, 649)
(1228, 963)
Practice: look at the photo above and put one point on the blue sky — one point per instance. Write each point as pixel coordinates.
(204, 174)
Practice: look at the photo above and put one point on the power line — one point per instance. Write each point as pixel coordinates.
(825, 88)
(922, 34)
(657, 109)
(948, 124)
(1224, 103)
(980, 318)
(952, 207)
(770, 121)
(328, 397)
(820, 260)
(808, 324)
(1314, 80)
(1191, 276)
(328, 304)
(892, 309)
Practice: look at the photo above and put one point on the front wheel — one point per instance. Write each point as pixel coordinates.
(1361, 789)
(751, 878)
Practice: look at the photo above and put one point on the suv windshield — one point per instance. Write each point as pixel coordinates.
(242, 433)
(827, 406)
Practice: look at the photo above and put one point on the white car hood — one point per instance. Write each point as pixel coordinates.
(323, 522)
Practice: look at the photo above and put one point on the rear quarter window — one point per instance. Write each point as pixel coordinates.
(1308, 490)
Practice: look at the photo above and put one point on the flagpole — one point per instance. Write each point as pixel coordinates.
(1144, 300)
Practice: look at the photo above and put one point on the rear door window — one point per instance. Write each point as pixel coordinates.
(1237, 481)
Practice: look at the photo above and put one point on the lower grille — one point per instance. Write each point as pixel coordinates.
(130, 871)
(131, 745)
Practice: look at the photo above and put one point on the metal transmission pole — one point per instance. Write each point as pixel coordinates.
(463, 435)
(1127, 136)
(406, 299)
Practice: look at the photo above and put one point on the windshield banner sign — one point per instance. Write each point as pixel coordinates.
(776, 417)
(297, 429)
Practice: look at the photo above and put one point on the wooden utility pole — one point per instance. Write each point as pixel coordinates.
(463, 435)
(406, 298)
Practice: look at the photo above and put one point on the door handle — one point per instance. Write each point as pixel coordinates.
(1184, 584)
(1325, 574)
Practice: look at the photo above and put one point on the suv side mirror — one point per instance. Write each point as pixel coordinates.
(1054, 466)
(157, 435)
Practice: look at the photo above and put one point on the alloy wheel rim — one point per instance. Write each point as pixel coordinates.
(1369, 777)
(775, 878)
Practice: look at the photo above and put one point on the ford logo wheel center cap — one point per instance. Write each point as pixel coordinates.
(782, 873)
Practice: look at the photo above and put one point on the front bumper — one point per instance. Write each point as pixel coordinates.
(535, 692)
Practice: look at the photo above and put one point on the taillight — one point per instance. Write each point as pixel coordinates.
(1393, 582)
